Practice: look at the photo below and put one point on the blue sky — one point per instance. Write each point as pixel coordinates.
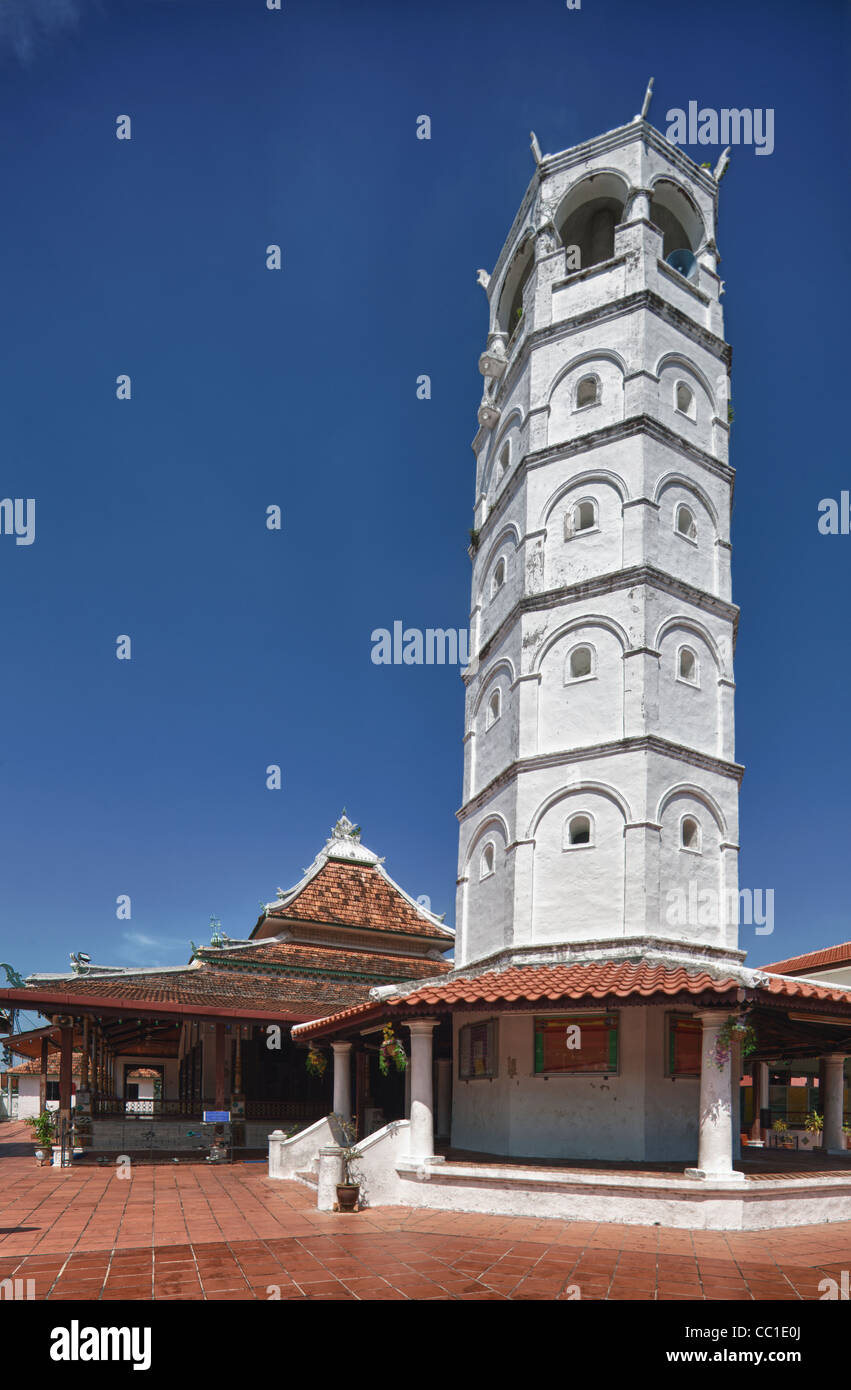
(298, 388)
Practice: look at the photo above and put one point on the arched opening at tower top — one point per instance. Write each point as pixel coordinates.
(510, 311)
(588, 216)
(677, 218)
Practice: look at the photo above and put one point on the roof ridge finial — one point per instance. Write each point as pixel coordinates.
(345, 829)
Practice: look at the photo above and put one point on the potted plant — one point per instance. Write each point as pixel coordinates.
(391, 1050)
(348, 1191)
(43, 1134)
(814, 1123)
(316, 1062)
(784, 1139)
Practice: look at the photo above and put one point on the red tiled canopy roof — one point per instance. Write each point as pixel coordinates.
(357, 895)
(813, 960)
(32, 1067)
(545, 984)
(805, 989)
(563, 984)
(281, 996)
(294, 955)
(285, 980)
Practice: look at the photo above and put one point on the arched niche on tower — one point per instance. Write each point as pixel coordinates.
(686, 402)
(588, 214)
(485, 889)
(677, 216)
(574, 549)
(578, 888)
(586, 396)
(498, 579)
(691, 882)
(502, 457)
(581, 693)
(510, 302)
(493, 723)
(689, 693)
(688, 532)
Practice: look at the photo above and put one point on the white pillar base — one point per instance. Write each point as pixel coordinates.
(330, 1174)
(726, 1177)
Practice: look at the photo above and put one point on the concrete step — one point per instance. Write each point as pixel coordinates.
(310, 1178)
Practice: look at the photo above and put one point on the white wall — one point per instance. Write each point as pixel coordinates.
(28, 1095)
(638, 1114)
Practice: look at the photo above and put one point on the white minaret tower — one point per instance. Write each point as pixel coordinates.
(599, 814)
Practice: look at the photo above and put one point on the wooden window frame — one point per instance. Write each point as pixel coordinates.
(672, 1019)
(566, 1020)
(491, 1051)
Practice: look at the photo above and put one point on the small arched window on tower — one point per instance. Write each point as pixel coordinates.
(502, 464)
(582, 516)
(498, 578)
(588, 392)
(687, 666)
(580, 664)
(494, 709)
(487, 861)
(577, 831)
(684, 400)
(685, 523)
(690, 834)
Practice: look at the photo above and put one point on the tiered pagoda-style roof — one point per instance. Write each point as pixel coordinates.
(348, 887)
(323, 945)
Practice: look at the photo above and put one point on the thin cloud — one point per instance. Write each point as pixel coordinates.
(139, 947)
(27, 24)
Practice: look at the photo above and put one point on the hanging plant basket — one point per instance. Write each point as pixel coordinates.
(391, 1052)
(316, 1063)
(734, 1028)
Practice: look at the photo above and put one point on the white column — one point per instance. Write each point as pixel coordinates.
(444, 1096)
(765, 1099)
(342, 1079)
(833, 1140)
(715, 1141)
(639, 204)
(736, 1097)
(422, 1104)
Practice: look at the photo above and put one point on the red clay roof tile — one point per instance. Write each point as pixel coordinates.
(830, 955)
(549, 983)
(358, 895)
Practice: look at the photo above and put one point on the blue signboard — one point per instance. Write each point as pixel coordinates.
(216, 1117)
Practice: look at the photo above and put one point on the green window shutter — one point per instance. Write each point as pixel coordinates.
(613, 1045)
(539, 1048)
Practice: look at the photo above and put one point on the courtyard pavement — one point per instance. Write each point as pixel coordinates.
(204, 1232)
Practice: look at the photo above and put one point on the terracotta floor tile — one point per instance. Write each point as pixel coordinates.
(142, 1238)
